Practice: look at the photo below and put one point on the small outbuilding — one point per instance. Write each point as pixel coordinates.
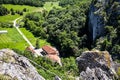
(49, 50)
(3, 31)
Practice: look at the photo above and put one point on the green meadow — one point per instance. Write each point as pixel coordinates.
(49, 5)
(19, 7)
(14, 40)
(32, 39)
(10, 18)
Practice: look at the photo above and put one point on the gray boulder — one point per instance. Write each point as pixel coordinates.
(96, 65)
(17, 67)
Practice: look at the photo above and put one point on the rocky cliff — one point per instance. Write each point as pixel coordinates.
(15, 67)
(97, 65)
(102, 13)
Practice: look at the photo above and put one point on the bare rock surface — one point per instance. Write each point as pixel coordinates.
(96, 65)
(17, 67)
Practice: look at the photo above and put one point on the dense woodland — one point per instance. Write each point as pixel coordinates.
(3, 11)
(64, 28)
(23, 2)
(65, 3)
(67, 29)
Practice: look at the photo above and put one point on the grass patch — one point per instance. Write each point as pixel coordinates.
(49, 5)
(14, 40)
(32, 39)
(19, 7)
(10, 18)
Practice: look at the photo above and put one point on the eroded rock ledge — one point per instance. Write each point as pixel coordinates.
(96, 65)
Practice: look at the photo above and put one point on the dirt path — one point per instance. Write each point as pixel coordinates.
(24, 37)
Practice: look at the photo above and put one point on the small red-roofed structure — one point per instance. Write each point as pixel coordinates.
(47, 51)
(50, 50)
(3, 31)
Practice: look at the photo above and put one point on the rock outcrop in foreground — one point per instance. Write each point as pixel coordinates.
(15, 67)
(96, 65)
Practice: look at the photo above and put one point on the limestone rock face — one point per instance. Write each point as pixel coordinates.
(101, 13)
(96, 65)
(17, 67)
(96, 20)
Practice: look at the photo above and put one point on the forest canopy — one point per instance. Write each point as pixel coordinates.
(37, 3)
(64, 28)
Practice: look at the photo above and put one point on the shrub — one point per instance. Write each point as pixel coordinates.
(4, 77)
(12, 13)
(3, 11)
(118, 73)
(24, 9)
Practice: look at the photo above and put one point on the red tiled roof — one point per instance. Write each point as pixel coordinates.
(49, 49)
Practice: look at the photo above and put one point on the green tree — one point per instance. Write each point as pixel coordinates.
(12, 13)
(24, 9)
(11, 9)
(109, 29)
(118, 28)
(116, 49)
(21, 12)
(37, 44)
(3, 11)
(37, 3)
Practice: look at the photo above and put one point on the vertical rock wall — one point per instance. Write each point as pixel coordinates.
(96, 18)
(102, 13)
